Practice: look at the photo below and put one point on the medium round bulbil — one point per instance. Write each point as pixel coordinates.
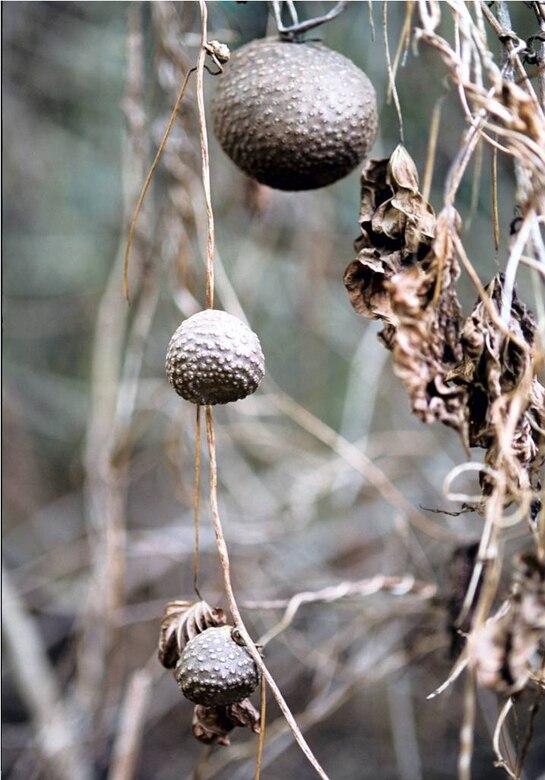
(214, 670)
(292, 115)
(214, 358)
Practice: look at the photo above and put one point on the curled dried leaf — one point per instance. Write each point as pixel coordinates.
(426, 345)
(212, 725)
(529, 590)
(499, 656)
(498, 372)
(468, 374)
(183, 620)
(397, 227)
(502, 649)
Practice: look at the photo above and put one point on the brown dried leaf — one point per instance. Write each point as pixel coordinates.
(397, 227)
(466, 374)
(529, 590)
(244, 714)
(365, 280)
(500, 654)
(493, 368)
(501, 650)
(212, 725)
(426, 344)
(182, 621)
(402, 170)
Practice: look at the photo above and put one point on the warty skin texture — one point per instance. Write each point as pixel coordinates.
(214, 670)
(294, 116)
(214, 358)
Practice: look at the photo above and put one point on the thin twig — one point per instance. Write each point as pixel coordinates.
(532, 715)
(147, 182)
(397, 586)
(500, 759)
(432, 147)
(197, 501)
(131, 726)
(495, 210)
(467, 729)
(262, 726)
(239, 623)
(392, 89)
(205, 161)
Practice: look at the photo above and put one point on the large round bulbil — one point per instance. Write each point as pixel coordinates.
(214, 358)
(214, 670)
(294, 116)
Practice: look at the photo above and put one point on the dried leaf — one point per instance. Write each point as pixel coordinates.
(397, 227)
(493, 368)
(501, 650)
(182, 621)
(244, 714)
(212, 725)
(426, 345)
(365, 280)
(466, 374)
(529, 590)
(499, 656)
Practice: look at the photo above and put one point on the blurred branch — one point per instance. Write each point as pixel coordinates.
(114, 382)
(359, 461)
(133, 713)
(58, 740)
(397, 586)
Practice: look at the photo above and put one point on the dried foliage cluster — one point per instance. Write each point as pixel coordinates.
(182, 621)
(477, 374)
(461, 372)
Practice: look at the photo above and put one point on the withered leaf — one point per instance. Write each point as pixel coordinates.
(183, 620)
(426, 344)
(212, 725)
(397, 227)
(529, 590)
(493, 367)
(500, 654)
(464, 373)
(501, 650)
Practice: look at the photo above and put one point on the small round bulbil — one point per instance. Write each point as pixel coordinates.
(294, 115)
(214, 670)
(214, 358)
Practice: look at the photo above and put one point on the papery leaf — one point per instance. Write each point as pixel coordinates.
(182, 621)
(402, 170)
(212, 725)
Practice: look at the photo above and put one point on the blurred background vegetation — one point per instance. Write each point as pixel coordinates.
(98, 454)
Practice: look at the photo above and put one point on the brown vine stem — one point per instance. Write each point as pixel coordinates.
(233, 606)
(392, 89)
(205, 161)
(149, 177)
(210, 434)
(197, 502)
(262, 721)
